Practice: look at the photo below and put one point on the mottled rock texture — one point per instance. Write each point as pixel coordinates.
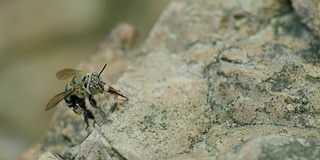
(223, 79)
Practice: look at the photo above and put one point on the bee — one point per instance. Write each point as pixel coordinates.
(81, 85)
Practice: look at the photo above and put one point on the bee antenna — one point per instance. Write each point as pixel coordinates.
(102, 69)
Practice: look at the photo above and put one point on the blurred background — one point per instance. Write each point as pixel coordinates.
(40, 37)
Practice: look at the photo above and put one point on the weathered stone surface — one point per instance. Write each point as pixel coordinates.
(49, 156)
(94, 146)
(277, 147)
(309, 12)
(221, 79)
(272, 87)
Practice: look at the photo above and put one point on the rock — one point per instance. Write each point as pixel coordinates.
(273, 87)
(309, 12)
(213, 80)
(277, 147)
(93, 147)
(49, 156)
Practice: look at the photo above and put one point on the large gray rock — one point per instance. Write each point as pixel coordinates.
(222, 79)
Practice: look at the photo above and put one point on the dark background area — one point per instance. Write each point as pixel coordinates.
(38, 38)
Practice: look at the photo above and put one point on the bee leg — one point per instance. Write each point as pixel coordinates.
(92, 101)
(85, 118)
(78, 105)
(87, 114)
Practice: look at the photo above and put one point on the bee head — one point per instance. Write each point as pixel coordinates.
(95, 85)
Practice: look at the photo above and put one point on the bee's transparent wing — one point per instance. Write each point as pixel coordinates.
(66, 73)
(57, 98)
(113, 91)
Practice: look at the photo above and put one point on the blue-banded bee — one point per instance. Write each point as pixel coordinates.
(81, 85)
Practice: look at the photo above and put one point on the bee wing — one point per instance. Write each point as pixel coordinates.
(66, 73)
(57, 98)
(113, 91)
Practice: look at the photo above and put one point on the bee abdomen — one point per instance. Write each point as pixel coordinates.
(68, 101)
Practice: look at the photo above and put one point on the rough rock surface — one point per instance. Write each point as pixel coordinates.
(222, 79)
